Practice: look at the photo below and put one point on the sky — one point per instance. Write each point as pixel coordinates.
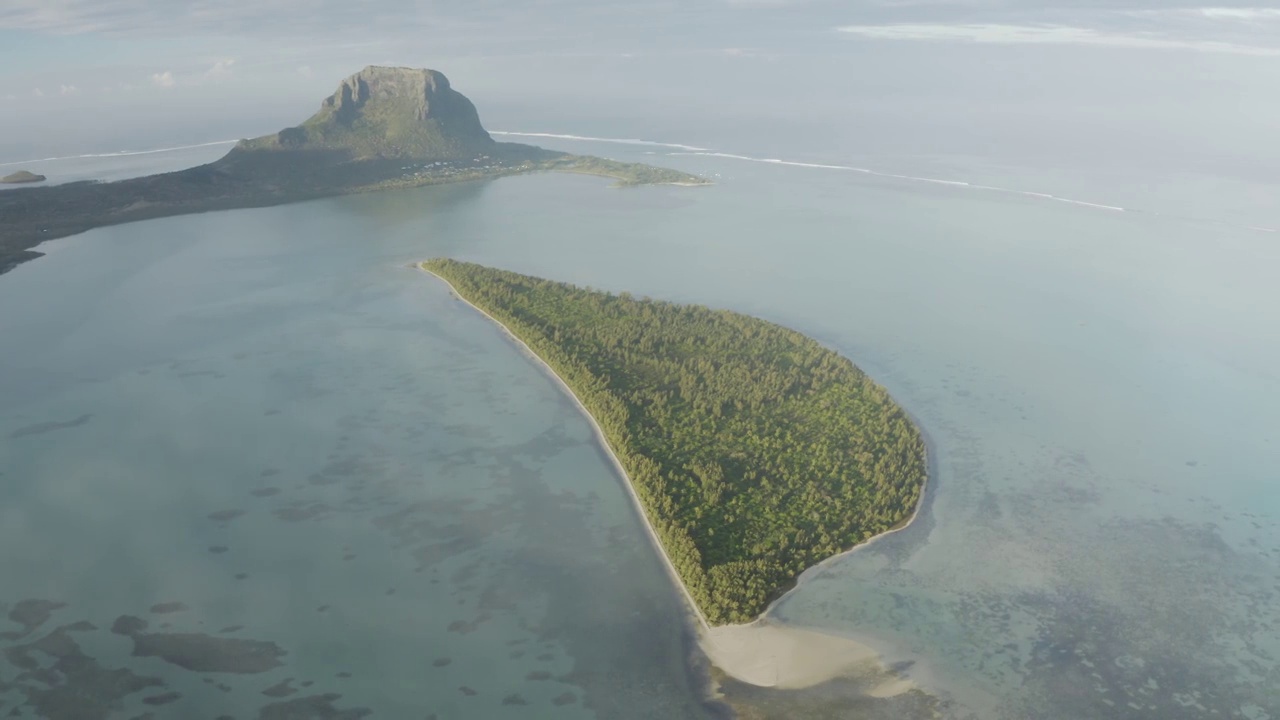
(1172, 85)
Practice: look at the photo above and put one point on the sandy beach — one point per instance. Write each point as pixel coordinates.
(599, 433)
(763, 653)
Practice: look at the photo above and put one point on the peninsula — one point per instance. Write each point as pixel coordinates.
(753, 452)
(22, 176)
(383, 127)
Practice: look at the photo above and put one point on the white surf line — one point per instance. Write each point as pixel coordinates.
(973, 186)
(909, 178)
(585, 138)
(121, 153)
(693, 150)
(776, 161)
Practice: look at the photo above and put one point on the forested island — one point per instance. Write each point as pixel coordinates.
(754, 451)
(383, 128)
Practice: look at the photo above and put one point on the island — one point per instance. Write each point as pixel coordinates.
(384, 127)
(22, 176)
(753, 452)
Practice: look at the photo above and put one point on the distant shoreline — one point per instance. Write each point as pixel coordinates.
(31, 216)
(624, 181)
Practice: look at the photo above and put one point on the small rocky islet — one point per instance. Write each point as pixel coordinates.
(22, 176)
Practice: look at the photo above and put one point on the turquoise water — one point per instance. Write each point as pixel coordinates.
(1101, 538)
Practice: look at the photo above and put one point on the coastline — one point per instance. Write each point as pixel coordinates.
(599, 435)
(925, 488)
(33, 216)
(623, 181)
(763, 652)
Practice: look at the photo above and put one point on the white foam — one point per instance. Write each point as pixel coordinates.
(1100, 206)
(774, 161)
(936, 181)
(908, 178)
(587, 138)
(121, 153)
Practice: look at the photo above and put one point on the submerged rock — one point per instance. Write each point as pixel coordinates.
(30, 614)
(207, 653)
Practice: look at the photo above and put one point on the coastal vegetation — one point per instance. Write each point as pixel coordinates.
(755, 452)
(624, 172)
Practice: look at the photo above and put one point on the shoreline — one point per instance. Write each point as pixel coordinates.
(763, 652)
(624, 182)
(42, 215)
(603, 441)
(925, 487)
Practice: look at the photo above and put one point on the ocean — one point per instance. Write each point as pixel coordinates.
(326, 485)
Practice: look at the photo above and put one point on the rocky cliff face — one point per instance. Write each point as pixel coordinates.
(389, 112)
(428, 91)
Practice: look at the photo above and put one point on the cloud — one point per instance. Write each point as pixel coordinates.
(68, 90)
(220, 68)
(1000, 34)
(1247, 14)
(304, 70)
(141, 17)
(164, 79)
(38, 92)
(306, 21)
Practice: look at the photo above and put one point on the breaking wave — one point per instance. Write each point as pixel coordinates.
(693, 150)
(585, 138)
(121, 153)
(910, 178)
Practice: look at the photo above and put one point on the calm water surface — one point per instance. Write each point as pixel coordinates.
(363, 497)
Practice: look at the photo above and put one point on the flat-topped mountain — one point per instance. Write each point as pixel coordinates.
(384, 112)
(22, 176)
(384, 127)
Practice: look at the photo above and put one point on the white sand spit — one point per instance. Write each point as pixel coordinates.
(772, 655)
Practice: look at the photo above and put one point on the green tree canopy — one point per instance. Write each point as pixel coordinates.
(755, 451)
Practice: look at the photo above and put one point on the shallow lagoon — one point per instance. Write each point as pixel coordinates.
(404, 499)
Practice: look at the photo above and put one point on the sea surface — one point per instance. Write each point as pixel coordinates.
(252, 464)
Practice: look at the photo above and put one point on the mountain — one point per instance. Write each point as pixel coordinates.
(384, 127)
(385, 112)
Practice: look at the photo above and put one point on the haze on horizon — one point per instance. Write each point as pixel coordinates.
(1168, 86)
